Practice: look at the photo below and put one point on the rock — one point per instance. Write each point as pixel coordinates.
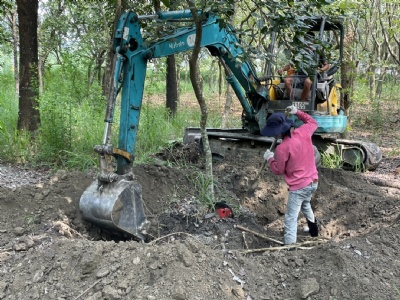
(102, 273)
(29, 241)
(95, 296)
(19, 231)
(238, 292)
(179, 293)
(3, 286)
(308, 287)
(21, 246)
(185, 255)
(136, 260)
(38, 197)
(193, 245)
(91, 260)
(49, 254)
(38, 276)
(64, 265)
(110, 293)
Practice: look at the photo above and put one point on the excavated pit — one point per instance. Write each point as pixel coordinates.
(348, 204)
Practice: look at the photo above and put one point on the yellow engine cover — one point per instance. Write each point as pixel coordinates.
(332, 102)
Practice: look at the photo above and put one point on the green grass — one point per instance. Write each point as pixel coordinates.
(15, 145)
(331, 160)
(72, 122)
(202, 184)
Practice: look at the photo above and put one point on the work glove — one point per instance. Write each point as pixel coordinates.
(268, 154)
(291, 109)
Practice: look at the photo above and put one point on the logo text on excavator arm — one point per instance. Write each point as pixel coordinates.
(176, 45)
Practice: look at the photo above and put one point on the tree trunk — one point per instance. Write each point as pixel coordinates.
(211, 81)
(348, 73)
(228, 92)
(14, 26)
(197, 83)
(178, 81)
(109, 70)
(379, 85)
(171, 86)
(28, 115)
(372, 82)
(227, 107)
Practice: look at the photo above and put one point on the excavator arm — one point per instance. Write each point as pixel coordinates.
(114, 200)
(135, 53)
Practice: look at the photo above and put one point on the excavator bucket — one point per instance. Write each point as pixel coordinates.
(116, 206)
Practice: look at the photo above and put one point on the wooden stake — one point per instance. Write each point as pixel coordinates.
(244, 240)
(259, 235)
(300, 246)
(85, 291)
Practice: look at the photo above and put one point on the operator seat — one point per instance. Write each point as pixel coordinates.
(324, 82)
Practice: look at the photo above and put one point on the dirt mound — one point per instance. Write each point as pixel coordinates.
(48, 252)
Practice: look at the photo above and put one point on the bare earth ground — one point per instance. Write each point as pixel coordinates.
(48, 252)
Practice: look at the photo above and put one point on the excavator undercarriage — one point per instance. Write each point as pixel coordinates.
(348, 154)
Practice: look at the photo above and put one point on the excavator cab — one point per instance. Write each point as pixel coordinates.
(324, 100)
(323, 103)
(327, 37)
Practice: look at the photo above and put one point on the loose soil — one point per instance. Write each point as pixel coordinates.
(48, 252)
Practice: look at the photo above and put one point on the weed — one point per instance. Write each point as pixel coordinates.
(394, 152)
(331, 160)
(202, 185)
(77, 161)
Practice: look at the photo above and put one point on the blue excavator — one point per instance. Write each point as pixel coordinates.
(114, 200)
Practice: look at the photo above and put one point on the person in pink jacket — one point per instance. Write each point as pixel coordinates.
(294, 159)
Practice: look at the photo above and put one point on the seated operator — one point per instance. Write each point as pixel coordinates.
(303, 77)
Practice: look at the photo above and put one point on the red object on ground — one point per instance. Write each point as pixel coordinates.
(224, 212)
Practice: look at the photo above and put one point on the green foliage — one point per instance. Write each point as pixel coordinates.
(72, 119)
(331, 160)
(372, 115)
(5, 6)
(157, 129)
(71, 113)
(15, 145)
(202, 184)
(395, 151)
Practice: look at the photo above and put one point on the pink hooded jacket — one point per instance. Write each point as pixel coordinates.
(294, 157)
